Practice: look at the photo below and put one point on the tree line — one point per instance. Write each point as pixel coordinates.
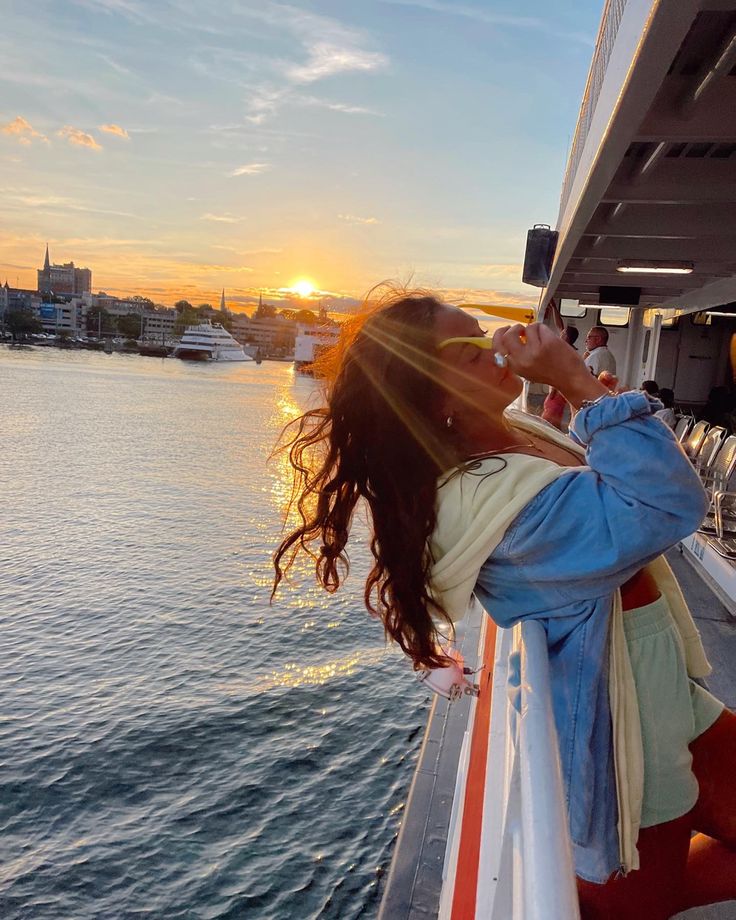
(22, 322)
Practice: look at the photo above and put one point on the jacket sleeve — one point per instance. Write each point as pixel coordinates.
(587, 532)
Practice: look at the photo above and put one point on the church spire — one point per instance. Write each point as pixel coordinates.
(46, 263)
(222, 301)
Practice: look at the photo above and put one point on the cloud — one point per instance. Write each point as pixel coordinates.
(353, 219)
(250, 169)
(264, 250)
(115, 129)
(79, 138)
(222, 218)
(24, 133)
(328, 48)
(488, 295)
(20, 199)
(327, 59)
(334, 106)
(487, 17)
(135, 12)
(264, 102)
(114, 64)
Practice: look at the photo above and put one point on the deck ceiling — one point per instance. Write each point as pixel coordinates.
(672, 196)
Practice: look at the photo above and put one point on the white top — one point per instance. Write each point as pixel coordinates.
(599, 360)
(668, 416)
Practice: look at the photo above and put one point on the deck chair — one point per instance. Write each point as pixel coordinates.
(720, 477)
(694, 441)
(708, 452)
(724, 542)
(683, 427)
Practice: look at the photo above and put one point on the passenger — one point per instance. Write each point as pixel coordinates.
(465, 496)
(650, 387)
(667, 398)
(597, 356)
(570, 335)
(718, 409)
(555, 404)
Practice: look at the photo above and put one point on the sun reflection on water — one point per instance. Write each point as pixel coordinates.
(295, 675)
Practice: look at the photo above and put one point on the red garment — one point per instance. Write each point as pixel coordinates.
(554, 408)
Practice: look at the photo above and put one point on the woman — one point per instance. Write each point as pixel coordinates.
(667, 397)
(464, 497)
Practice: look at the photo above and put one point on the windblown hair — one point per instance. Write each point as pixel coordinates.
(379, 437)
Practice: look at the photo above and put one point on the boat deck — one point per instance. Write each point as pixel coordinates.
(414, 883)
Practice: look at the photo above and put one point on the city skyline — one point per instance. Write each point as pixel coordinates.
(269, 145)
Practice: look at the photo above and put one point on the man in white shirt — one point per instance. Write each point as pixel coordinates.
(598, 358)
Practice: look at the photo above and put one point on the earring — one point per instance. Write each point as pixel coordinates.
(449, 421)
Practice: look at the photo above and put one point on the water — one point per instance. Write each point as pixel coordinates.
(170, 745)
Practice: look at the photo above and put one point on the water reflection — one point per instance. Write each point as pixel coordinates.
(157, 704)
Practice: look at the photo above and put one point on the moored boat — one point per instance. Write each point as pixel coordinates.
(310, 342)
(154, 351)
(209, 342)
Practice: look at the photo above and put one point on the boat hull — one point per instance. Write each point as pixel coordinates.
(191, 354)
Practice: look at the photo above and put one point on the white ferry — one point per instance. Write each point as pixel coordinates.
(310, 341)
(645, 245)
(209, 342)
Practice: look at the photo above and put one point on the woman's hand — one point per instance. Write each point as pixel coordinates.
(537, 353)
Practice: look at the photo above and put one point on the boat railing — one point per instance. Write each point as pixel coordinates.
(610, 21)
(524, 863)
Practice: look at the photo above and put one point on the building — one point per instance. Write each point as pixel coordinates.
(63, 279)
(61, 317)
(115, 306)
(273, 335)
(12, 299)
(158, 325)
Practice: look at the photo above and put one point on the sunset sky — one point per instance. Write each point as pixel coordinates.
(176, 147)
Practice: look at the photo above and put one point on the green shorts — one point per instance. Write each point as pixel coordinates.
(673, 709)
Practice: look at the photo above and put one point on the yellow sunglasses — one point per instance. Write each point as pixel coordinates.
(479, 342)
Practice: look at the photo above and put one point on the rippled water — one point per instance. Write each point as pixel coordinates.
(170, 745)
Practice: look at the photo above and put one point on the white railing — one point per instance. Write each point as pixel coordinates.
(525, 869)
(610, 21)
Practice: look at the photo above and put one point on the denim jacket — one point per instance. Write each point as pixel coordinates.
(560, 562)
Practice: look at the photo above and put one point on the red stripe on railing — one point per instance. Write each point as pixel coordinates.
(466, 873)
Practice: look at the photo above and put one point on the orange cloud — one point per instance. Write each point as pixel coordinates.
(222, 218)
(115, 129)
(353, 219)
(79, 138)
(23, 131)
(250, 169)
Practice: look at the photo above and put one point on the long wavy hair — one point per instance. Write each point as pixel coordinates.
(380, 437)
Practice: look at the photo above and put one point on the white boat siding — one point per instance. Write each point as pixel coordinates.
(311, 340)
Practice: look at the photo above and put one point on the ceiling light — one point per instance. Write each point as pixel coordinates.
(646, 267)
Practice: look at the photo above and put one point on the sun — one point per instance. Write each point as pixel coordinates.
(303, 287)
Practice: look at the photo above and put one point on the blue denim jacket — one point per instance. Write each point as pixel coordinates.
(561, 561)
